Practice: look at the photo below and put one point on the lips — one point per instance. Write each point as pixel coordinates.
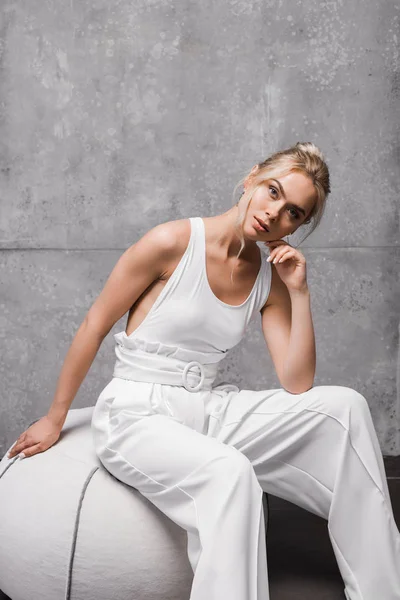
(262, 224)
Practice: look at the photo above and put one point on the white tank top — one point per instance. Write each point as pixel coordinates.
(188, 316)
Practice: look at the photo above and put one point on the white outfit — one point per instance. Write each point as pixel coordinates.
(204, 455)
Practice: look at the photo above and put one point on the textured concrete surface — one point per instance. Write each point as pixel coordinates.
(117, 117)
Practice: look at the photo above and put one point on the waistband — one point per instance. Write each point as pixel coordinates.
(156, 368)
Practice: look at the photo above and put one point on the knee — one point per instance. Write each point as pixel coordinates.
(342, 391)
(352, 397)
(343, 396)
(235, 464)
(359, 406)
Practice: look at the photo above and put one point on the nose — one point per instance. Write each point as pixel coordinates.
(273, 212)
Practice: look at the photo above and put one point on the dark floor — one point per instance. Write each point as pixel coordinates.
(301, 562)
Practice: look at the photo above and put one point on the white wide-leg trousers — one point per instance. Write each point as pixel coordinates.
(204, 459)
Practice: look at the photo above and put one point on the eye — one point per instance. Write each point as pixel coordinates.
(296, 214)
(272, 188)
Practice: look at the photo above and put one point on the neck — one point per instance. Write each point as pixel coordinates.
(225, 236)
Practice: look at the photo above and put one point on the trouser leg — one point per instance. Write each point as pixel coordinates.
(320, 451)
(206, 487)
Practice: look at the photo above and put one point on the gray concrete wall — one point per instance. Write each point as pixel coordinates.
(118, 116)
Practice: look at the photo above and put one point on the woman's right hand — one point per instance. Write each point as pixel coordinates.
(40, 436)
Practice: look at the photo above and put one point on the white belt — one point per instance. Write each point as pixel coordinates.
(158, 368)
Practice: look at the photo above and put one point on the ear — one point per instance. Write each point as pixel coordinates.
(252, 172)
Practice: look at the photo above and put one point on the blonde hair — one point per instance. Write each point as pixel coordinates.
(303, 157)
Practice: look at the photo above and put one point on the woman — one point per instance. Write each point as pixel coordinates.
(202, 454)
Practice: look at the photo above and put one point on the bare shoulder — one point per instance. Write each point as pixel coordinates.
(173, 237)
(146, 261)
(278, 294)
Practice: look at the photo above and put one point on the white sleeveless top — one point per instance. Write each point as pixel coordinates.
(187, 319)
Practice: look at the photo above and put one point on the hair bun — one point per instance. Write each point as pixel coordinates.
(310, 148)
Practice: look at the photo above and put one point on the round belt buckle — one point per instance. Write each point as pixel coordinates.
(184, 376)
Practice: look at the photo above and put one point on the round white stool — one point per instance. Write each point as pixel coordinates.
(69, 530)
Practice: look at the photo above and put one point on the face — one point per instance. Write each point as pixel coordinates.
(283, 208)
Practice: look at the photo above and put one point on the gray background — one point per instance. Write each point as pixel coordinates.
(115, 117)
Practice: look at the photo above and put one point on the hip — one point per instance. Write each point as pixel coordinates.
(135, 400)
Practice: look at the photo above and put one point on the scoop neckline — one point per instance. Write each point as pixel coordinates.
(206, 276)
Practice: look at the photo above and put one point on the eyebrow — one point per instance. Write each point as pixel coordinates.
(284, 195)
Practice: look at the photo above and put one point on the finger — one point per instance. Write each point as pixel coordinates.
(276, 247)
(286, 256)
(16, 450)
(276, 253)
(276, 242)
(30, 451)
(272, 245)
(18, 446)
(280, 253)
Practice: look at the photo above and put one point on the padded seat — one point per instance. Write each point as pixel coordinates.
(69, 530)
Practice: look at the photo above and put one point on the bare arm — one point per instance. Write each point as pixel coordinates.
(137, 268)
(78, 360)
(289, 333)
(301, 355)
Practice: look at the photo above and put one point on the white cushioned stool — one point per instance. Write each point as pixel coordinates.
(69, 530)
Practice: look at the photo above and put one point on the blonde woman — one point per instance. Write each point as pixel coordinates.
(204, 454)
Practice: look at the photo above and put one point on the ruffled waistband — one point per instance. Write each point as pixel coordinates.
(155, 362)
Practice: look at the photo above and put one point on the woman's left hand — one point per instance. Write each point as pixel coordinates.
(290, 264)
